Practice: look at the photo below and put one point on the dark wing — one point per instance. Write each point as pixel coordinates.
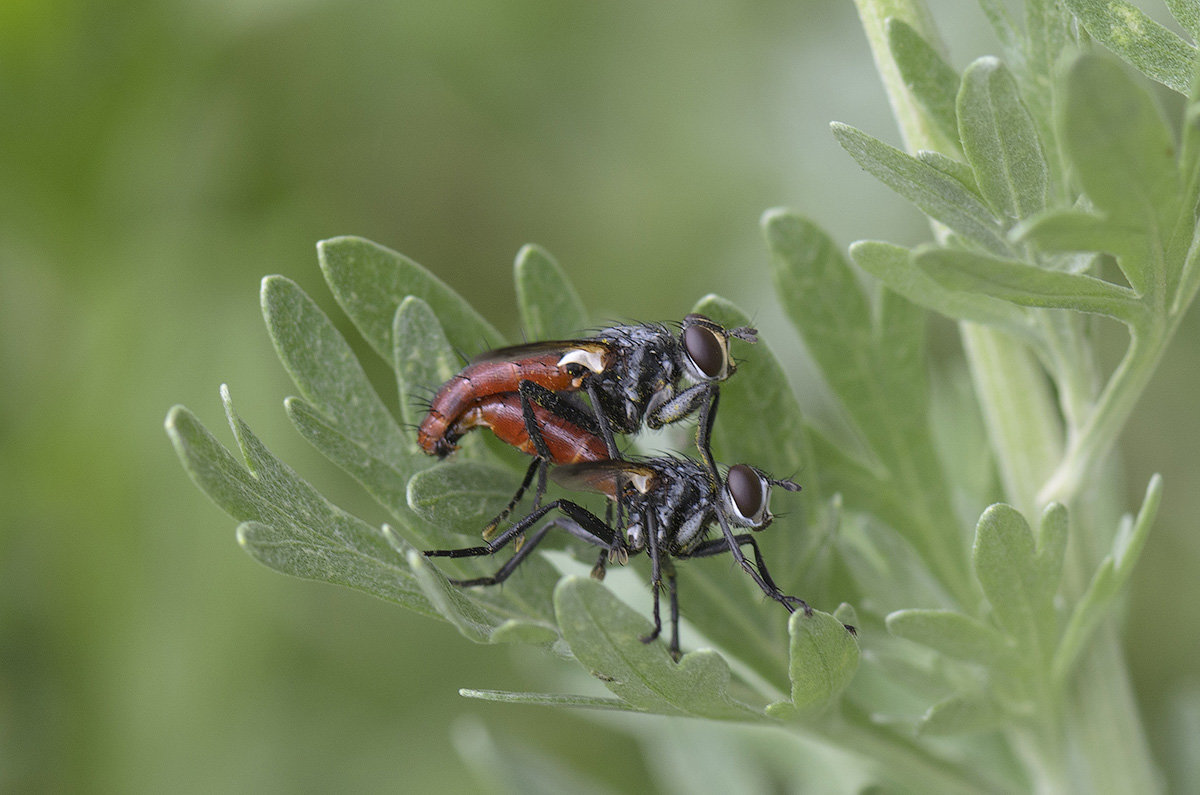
(534, 349)
(610, 478)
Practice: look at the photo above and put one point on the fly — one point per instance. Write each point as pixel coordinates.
(669, 506)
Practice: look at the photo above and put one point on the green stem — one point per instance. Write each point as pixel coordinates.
(1100, 732)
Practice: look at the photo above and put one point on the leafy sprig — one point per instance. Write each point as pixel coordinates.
(1057, 195)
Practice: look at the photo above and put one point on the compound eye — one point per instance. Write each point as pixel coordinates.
(748, 490)
(706, 349)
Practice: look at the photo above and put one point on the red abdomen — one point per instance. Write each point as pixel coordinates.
(566, 442)
(479, 381)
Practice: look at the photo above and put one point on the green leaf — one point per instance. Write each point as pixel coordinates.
(1000, 141)
(326, 371)
(824, 657)
(1111, 576)
(1140, 41)
(422, 358)
(461, 495)
(874, 362)
(472, 619)
(1123, 153)
(1002, 26)
(939, 196)
(1074, 230)
(1005, 566)
(605, 636)
(951, 168)
(954, 634)
(550, 306)
(895, 267)
(549, 699)
(960, 715)
(1187, 14)
(932, 81)
(286, 524)
(1051, 549)
(380, 476)
(1028, 285)
(369, 282)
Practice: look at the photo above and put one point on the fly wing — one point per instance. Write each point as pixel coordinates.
(590, 353)
(610, 478)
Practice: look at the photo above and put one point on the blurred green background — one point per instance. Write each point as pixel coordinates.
(157, 159)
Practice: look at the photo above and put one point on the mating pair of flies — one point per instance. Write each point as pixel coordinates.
(632, 375)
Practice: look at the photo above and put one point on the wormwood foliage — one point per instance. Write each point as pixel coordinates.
(1058, 195)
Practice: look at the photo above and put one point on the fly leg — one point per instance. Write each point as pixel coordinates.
(674, 592)
(656, 570)
(580, 523)
(719, 546)
(703, 397)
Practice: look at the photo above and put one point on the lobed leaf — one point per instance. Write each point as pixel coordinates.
(1111, 576)
(874, 363)
(951, 168)
(1187, 14)
(460, 495)
(1140, 41)
(369, 282)
(286, 524)
(939, 196)
(960, 714)
(605, 636)
(824, 658)
(472, 619)
(1068, 230)
(1122, 152)
(895, 267)
(422, 358)
(551, 308)
(1028, 285)
(327, 372)
(1004, 561)
(951, 633)
(549, 699)
(932, 82)
(379, 476)
(1000, 141)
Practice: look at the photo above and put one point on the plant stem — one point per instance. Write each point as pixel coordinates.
(1101, 733)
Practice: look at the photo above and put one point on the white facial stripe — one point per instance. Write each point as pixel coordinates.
(590, 359)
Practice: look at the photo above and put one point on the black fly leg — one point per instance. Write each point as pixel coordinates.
(602, 422)
(655, 576)
(704, 429)
(674, 593)
(580, 523)
(719, 546)
(768, 586)
(489, 529)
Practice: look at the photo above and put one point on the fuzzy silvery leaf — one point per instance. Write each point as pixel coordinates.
(932, 81)
(285, 523)
(605, 636)
(940, 196)
(369, 282)
(1000, 141)
(1126, 30)
(824, 657)
(551, 308)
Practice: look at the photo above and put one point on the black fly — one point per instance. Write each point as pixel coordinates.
(669, 506)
